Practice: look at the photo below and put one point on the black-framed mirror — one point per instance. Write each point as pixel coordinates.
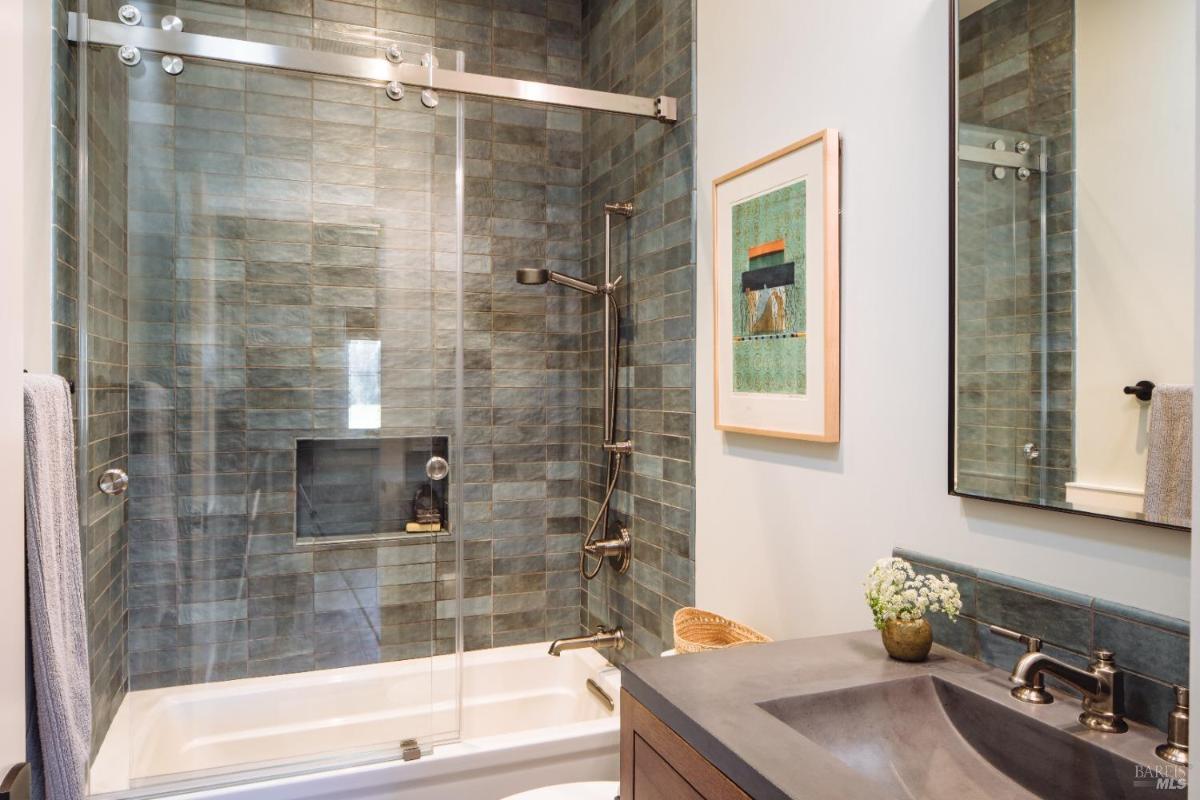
(1072, 257)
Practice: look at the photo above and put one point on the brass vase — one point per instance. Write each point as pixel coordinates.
(907, 640)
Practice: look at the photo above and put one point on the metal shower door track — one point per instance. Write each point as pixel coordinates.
(84, 30)
(1002, 158)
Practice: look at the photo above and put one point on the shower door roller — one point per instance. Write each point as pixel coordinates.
(114, 482)
(437, 468)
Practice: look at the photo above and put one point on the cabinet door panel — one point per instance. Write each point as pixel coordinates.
(654, 779)
(657, 764)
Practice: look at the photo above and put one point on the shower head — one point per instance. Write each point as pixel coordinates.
(530, 276)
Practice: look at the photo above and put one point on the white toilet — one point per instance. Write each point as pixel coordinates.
(588, 790)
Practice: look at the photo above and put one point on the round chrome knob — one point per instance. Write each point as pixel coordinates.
(172, 65)
(171, 23)
(429, 98)
(113, 482)
(437, 468)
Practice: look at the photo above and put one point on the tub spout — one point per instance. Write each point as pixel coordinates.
(601, 637)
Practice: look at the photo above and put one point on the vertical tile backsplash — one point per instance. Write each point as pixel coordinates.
(1151, 648)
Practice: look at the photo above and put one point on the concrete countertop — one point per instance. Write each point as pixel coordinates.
(711, 700)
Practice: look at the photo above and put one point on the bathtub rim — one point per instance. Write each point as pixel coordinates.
(440, 758)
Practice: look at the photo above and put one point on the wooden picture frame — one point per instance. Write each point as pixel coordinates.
(774, 374)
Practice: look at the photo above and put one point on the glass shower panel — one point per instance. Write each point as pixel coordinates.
(290, 310)
(1002, 414)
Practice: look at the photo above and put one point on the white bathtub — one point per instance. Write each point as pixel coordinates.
(528, 719)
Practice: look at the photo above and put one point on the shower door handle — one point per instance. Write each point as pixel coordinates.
(437, 468)
(113, 482)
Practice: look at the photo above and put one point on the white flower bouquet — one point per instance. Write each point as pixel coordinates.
(896, 592)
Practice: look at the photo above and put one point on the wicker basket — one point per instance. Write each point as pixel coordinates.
(697, 631)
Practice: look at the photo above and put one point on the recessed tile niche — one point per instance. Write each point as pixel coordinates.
(369, 488)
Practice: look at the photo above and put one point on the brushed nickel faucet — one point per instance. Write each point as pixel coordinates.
(1102, 684)
(601, 637)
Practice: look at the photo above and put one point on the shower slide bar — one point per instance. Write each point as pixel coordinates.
(83, 30)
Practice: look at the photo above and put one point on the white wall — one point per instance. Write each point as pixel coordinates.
(1135, 194)
(1194, 642)
(24, 260)
(786, 531)
(35, 174)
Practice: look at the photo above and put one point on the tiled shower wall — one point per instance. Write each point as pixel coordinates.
(249, 239)
(643, 47)
(274, 220)
(271, 219)
(278, 217)
(1016, 68)
(104, 532)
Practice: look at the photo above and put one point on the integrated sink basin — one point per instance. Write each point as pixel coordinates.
(927, 737)
(833, 718)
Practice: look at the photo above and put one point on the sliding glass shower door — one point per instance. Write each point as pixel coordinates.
(270, 295)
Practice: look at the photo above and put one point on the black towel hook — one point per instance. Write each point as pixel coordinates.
(1142, 390)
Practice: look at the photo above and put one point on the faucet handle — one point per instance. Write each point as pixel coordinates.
(1032, 643)
(1035, 690)
(1175, 750)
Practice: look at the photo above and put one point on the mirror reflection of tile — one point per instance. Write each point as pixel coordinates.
(1016, 291)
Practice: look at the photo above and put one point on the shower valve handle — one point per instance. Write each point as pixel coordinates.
(617, 548)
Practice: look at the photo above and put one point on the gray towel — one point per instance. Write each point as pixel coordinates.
(57, 625)
(1169, 456)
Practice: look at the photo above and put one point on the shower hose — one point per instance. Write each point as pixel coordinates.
(614, 458)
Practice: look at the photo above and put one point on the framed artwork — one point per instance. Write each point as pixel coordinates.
(776, 293)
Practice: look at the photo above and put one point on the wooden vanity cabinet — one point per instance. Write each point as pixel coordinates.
(656, 764)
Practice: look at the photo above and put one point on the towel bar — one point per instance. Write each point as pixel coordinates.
(71, 386)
